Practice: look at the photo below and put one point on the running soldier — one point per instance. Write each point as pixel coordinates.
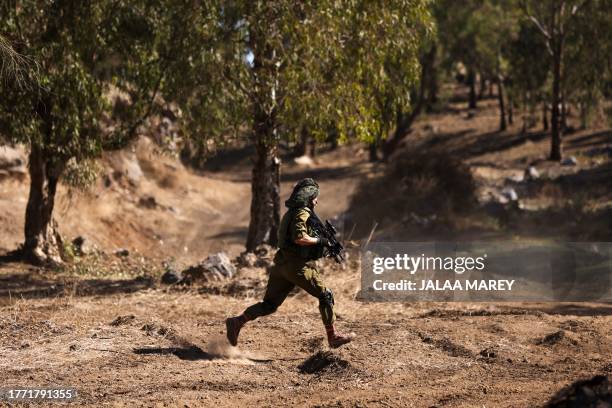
(298, 245)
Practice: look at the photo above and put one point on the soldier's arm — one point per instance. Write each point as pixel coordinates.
(299, 232)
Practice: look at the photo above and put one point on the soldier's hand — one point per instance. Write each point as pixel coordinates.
(323, 241)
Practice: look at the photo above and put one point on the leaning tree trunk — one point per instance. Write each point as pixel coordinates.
(43, 243)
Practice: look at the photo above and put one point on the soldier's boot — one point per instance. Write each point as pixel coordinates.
(335, 339)
(233, 326)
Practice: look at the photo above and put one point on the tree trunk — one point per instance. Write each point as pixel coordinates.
(431, 78)
(300, 147)
(265, 184)
(373, 149)
(43, 243)
(563, 114)
(482, 88)
(333, 138)
(403, 121)
(510, 110)
(265, 196)
(584, 115)
(555, 146)
(471, 79)
(313, 147)
(500, 97)
(545, 116)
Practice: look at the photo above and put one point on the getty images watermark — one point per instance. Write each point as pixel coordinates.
(487, 271)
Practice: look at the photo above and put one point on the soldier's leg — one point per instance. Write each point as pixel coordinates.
(308, 278)
(276, 292)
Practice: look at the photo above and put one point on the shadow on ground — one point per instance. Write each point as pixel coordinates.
(31, 283)
(191, 353)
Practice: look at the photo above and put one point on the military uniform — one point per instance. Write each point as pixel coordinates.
(293, 267)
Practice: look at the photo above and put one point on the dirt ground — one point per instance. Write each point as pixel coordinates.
(123, 339)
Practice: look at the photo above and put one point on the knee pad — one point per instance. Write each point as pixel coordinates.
(326, 298)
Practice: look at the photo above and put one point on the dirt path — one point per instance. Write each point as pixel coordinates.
(169, 349)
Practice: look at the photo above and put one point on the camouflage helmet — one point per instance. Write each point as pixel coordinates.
(303, 193)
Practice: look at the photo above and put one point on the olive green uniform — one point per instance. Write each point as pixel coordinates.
(293, 267)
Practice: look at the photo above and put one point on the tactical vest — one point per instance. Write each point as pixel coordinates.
(286, 244)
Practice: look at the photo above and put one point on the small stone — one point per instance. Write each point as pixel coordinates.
(510, 194)
(531, 173)
(304, 161)
(120, 320)
(147, 202)
(171, 277)
(122, 252)
(247, 259)
(82, 246)
(569, 161)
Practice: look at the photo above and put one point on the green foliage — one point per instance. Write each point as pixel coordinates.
(80, 49)
(529, 61)
(318, 65)
(81, 175)
(588, 59)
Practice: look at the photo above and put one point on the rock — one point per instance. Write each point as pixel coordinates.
(126, 165)
(430, 128)
(133, 171)
(304, 161)
(215, 267)
(265, 256)
(516, 178)
(594, 392)
(82, 246)
(531, 173)
(557, 337)
(147, 202)
(569, 161)
(247, 259)
(489, 352)
(264, 251)
(120, 320)
(171, 277)
(510, 194)
(122, 252)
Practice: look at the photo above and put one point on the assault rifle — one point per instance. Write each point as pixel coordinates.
(327, 230)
